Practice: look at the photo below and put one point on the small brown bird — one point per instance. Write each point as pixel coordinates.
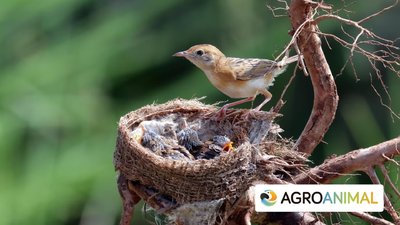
(236, 77)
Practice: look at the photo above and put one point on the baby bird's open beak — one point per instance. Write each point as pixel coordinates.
(181, 54)
(228, 146)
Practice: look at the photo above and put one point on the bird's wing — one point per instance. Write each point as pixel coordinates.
(246, 69)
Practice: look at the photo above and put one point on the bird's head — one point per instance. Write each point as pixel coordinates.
(204, 56)
(224, 142)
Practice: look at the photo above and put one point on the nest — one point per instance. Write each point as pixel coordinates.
(186, 177)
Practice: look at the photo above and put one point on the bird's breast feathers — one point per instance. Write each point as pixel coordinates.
(239, 88)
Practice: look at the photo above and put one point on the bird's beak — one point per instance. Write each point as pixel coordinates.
(228, 146)
(181, 54)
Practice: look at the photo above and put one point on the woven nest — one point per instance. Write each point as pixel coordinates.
(188, 180)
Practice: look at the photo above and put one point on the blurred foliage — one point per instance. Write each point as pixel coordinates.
(69, 69)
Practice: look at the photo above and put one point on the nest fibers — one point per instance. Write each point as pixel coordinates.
(182, 175)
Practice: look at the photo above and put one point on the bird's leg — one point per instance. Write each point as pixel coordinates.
(229, 105)
(222, 112)
(268, 97)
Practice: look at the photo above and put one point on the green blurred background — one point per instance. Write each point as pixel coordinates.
(70, 69)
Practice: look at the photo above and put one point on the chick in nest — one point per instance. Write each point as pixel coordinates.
(223, 142)
(189, 139)
(218, 145)
(160, 138)
(163, 128)
(154, 141)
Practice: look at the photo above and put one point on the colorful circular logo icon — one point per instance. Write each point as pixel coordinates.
(268, 198)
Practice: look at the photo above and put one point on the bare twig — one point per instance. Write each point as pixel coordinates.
(304, 22)
(387, 56)
(379, 12)
(280, 102)
(274, 10)
(388, 205)
(371, 219)
(301, 61)
(388, 180)
(392, 113)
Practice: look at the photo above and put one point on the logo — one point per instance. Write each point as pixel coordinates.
(318, 198)
(268, 198)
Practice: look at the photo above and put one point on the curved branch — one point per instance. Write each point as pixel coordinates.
(350, 162)
(325, 93)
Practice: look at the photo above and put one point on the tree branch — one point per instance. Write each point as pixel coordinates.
(325, 93)
(353, 161)
(371, 219)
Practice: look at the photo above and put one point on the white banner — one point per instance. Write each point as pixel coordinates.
(319, 198)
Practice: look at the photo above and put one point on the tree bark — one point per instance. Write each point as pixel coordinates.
(325, 93)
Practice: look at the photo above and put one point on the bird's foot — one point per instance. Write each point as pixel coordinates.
(248, 114)
(220, 114)
(258, 108)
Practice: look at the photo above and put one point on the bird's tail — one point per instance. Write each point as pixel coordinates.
(282, 65)
(288, 60)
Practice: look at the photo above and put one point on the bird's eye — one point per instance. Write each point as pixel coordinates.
(199, 52)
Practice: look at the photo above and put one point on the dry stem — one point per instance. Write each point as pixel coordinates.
(371, 219)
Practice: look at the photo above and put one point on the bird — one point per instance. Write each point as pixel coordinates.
(154, 141)
(153, 128)
(165, 147)
(223, 142)
(189, 139)
(218, 145)
(243, 78)
(160, 138)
